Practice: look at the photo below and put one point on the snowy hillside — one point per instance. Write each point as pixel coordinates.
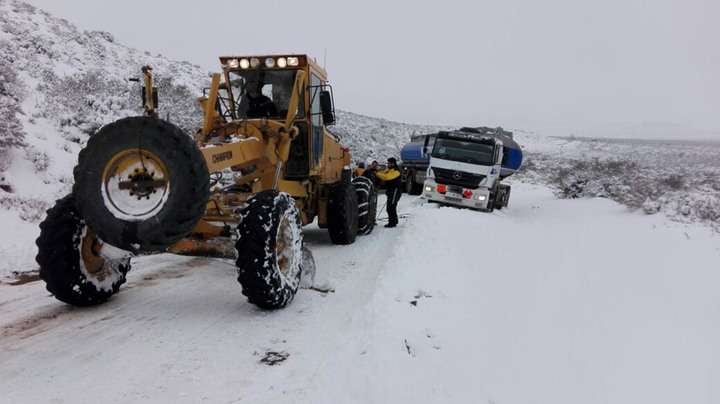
(59, 84)
(375, 138)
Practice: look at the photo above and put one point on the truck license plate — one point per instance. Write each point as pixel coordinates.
(453, 197)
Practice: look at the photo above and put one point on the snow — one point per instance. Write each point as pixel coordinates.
(551, 300)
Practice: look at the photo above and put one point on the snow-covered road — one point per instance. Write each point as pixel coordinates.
(550, 301)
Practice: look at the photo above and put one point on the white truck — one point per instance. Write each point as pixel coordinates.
(467, 166)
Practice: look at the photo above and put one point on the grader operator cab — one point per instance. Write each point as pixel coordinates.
(262, 165)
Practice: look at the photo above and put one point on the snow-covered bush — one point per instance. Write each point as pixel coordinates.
(39, 159)
(30, 209)
(12, 133)
(178, 103)
(687, 190)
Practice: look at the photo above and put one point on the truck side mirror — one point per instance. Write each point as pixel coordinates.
(326, 107)
(425, 146)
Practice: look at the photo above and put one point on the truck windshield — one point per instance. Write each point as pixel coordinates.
(263, 94)
(464, 151)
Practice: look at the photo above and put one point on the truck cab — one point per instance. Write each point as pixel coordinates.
(464, 170)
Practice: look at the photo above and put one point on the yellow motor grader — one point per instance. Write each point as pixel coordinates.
(262, 165)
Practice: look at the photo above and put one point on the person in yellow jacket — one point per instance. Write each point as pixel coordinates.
(391, 178)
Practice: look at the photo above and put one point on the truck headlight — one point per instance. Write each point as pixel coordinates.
(481, 197)
(428, 189)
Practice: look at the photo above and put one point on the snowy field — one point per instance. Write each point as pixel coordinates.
(549, 301)
(679, 179)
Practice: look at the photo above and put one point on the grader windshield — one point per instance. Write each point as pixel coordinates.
(263, 93)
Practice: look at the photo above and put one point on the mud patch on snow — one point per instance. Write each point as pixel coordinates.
(33, 324)
(273, 358)
(175, 272)
(172, 274)
(22, 278)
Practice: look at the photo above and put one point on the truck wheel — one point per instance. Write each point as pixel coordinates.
(367, 204)
(499, 197)
(269, 250)
(491, 202)
(141, 184)
(77, 267)
(343, 214)
(415, 188)
(502, 196)
(408, 185)
(506, 196)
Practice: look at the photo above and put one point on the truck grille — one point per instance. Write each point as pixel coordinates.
(460, 178)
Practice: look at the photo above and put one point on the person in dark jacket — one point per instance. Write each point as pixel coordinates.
(391, 177)
(259, 105)
(369, 173)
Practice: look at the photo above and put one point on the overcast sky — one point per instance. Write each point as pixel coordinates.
(579, 65)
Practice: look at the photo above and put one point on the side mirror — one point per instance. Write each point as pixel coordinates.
(425, 146)
(326, 107)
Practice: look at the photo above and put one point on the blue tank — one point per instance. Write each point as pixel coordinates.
(512, 156)
(413, 153)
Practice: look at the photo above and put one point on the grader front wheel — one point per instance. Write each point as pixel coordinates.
(77, 267)
(269, 250)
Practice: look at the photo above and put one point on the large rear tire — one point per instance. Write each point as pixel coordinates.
(141, 184)
(367, 204)
(269, 250)
(343, 214)
(75, 265)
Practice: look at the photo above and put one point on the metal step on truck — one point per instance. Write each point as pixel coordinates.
(467, 166)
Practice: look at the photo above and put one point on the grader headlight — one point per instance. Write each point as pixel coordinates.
(254, 62)
(282, 63)
(293, 61)
(244, 63)
(233, 63)
(269, 63)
